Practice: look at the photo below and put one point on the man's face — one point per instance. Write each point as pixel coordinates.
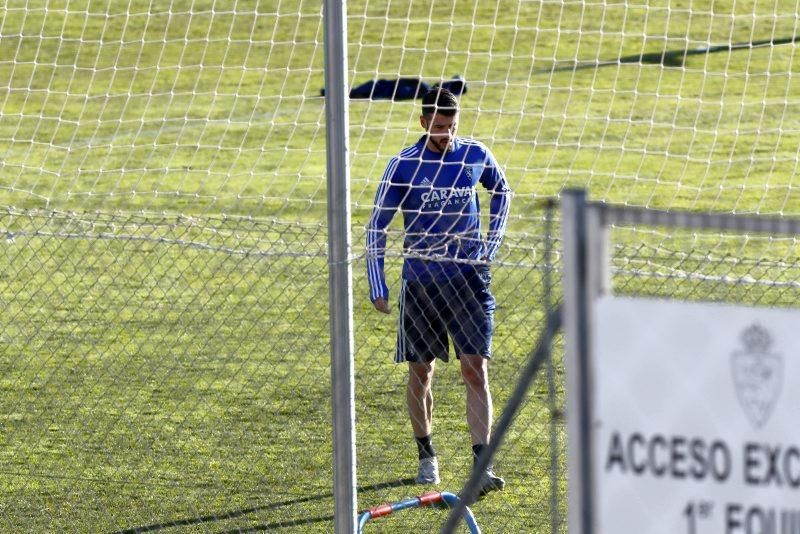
(441, 131)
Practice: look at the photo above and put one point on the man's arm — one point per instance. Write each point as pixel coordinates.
(387, 200)
(500, 205)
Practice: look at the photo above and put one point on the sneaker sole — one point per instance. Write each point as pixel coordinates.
(495, 486)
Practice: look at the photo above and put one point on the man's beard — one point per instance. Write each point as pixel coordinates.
(442, 144)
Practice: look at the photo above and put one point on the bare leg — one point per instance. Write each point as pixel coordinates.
(475, 372)
(419, 397)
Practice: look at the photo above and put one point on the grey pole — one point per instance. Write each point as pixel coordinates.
(576, 329)
(339, 268)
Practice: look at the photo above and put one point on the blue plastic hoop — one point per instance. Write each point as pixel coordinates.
(425, 499)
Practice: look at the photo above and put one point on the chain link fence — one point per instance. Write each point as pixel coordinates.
(173, 373)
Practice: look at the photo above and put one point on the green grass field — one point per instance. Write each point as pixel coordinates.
(164, 340)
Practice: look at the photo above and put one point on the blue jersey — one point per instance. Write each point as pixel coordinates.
(437, 194)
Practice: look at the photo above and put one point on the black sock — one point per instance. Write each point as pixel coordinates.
(476, 451)
(425, 447)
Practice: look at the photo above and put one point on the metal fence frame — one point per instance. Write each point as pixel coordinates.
(587, 276)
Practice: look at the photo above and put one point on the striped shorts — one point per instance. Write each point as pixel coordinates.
(460, 308)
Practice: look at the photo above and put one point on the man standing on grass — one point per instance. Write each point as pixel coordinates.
(446, 277)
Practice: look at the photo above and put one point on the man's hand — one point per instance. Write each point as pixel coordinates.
(381, 305)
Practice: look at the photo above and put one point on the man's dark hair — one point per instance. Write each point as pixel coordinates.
(441, 101)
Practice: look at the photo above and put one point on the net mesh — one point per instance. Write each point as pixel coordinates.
(162, 237)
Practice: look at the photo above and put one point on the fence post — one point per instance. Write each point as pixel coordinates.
(576, 306)
(340, 270)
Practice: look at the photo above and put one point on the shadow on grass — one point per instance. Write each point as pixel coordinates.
(233, 514)
(673, 58)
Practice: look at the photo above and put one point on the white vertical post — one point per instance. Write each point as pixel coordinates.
(340, 269)
(598, 255)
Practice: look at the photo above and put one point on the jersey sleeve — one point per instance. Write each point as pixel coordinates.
(495, 181)
(387, 200)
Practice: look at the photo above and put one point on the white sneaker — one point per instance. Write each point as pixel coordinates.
(491, 482)
(428, 472)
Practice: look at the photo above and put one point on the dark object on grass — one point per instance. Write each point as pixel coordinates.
(402, 89)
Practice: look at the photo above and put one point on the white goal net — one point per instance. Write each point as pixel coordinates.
(163, 240)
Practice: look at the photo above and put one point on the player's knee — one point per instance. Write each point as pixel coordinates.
(473, 371)
(420, 375)
(419, 384)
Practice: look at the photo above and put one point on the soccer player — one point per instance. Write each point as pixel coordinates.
(446, 277)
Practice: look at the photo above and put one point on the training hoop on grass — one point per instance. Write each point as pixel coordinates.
(426, 499)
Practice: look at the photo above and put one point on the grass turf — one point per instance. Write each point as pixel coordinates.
(164, 337)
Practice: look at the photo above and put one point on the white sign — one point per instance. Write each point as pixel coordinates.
(696, 418)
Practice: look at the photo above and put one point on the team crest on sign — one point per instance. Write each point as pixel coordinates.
(757, 374)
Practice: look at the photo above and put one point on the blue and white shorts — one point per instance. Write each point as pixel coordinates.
(461, 307)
